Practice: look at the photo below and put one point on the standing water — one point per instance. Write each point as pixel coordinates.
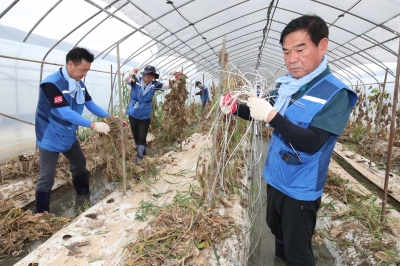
(65, 202)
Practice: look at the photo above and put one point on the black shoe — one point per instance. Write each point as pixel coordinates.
(42, 200)
(81, 183)
(141, 151)
(279, 249)
(82, 202)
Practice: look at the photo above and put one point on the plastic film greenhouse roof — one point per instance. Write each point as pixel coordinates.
(189, 34)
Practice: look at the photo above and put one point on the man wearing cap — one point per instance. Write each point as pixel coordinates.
(141, 104)
(204, 95)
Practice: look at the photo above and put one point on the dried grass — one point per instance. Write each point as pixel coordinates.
(18, 227)
(177, 235)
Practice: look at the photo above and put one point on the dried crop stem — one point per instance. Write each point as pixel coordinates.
(176, 117)
(17, 227)
(177, 234)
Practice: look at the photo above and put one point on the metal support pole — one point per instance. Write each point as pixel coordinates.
(112, 90)
(378, 118)
(390, 145)
(121, 122)
(202, 98)
(211, 179)
(20, 120)
(180, 147)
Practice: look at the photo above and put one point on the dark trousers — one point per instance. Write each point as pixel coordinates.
(139, 128)
(48, 165)
(293, 222)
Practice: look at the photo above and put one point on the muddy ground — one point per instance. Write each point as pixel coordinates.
(348, 222)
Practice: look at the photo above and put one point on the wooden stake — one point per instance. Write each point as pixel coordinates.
(213, 159)
(391, 135)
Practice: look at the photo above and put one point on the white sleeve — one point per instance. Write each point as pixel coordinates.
(127, 77)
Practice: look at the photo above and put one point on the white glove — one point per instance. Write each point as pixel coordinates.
(133, 72)
(101, 127)
(259, 108)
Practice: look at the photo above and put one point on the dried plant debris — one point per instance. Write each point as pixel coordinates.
(360, 131)
(176, 118)
(177, 235)
(18, 227)
(20, 167)
(111, 147)
(360, 223)
(99, 150)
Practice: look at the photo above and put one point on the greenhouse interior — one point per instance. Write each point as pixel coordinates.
(237, 132)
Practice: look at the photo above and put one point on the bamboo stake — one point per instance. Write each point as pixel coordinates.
(390, 145)
(378, 118)
(121, 123)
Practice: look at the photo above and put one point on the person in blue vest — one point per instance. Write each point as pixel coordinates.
(203, 93)
(141, 104)
(58, 114)
(308, 112)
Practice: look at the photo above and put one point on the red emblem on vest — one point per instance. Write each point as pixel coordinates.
(58, 99)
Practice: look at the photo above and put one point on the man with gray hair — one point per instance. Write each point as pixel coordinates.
(308, 112)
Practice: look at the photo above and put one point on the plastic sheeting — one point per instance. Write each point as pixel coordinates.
(188, 33)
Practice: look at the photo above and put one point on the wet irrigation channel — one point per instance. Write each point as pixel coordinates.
(365, 181)
(65, 202)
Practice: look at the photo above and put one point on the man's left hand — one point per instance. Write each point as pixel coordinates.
(259, 108)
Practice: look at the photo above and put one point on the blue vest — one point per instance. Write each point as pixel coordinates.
(204, 97)
(53, 132)
(303, 180)
(140, 106)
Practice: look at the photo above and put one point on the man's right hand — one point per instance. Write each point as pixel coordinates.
(134, 71)
(227, 104)
(101, 127)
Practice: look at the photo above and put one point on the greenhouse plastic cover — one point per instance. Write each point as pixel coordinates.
(35, 36)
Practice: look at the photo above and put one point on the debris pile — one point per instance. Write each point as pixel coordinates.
(176, 118)
(17, 227)
(27, 165)
(177, 235)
